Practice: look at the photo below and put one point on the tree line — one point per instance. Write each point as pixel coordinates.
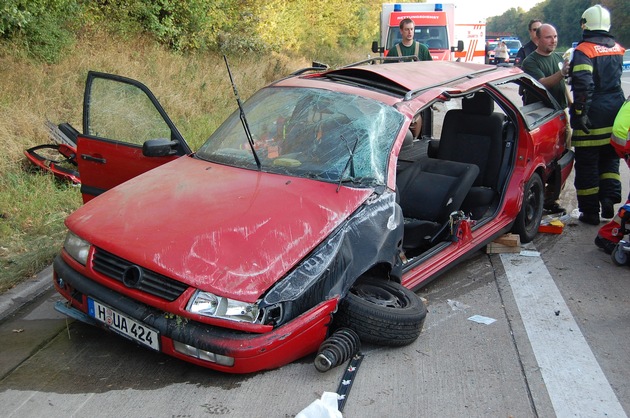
(43, 28)
(565, 16)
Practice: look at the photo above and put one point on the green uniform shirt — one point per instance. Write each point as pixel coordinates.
(409, 51)
(540, 66)
(621, 129)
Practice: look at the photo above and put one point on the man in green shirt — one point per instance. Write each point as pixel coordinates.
(408, 47)
(550, 69)
(548, 66)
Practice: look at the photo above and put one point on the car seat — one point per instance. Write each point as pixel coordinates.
(411, 150)
(428, 191)
(435, 44)
(434, 41)
(474, 134)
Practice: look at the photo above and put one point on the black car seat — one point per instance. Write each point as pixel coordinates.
(474, 135)
(428, 191)
(434, 40)
(434, 44)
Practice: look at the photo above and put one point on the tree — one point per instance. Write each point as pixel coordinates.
(509, 22)
(620, 11)
(565, 16)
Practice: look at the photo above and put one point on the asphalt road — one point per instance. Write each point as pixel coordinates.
(556, 345)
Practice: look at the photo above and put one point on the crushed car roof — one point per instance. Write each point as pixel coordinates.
(400, 79)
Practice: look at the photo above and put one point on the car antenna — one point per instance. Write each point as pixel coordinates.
(349, 162)
(248, 133)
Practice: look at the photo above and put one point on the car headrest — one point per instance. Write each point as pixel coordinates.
(434, 43)
(479, 104)
(408, 141)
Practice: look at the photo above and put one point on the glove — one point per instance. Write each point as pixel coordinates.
(581, 122)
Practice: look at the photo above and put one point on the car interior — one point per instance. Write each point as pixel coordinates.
(464, 170)
(434, 42)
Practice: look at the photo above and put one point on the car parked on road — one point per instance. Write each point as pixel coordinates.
(322, 202)
(490, 46)
(513, 46)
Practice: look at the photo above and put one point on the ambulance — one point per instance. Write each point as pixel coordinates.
(437, 28)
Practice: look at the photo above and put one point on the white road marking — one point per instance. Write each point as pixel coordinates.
(575, 382)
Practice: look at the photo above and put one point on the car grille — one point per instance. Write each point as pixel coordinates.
(152, 282)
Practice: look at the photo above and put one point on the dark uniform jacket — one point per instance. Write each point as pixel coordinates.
(523, 52)
(596, 83)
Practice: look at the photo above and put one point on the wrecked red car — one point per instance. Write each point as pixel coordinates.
(321, 203)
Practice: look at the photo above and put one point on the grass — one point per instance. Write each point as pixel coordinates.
(194, 90)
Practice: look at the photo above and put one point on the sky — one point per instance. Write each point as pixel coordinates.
(478, 10)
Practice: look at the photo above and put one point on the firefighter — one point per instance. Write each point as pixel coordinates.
(597, 96)
(610, 234)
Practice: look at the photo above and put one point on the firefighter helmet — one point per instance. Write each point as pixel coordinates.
(596, 18)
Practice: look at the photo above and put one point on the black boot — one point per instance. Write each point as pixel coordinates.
(590, 218)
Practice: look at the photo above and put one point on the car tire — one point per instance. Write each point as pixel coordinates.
(382, 312)
(528, 220)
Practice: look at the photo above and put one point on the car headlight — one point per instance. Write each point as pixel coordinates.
(77, 247)
(209, 304)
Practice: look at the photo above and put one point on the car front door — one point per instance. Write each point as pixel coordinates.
(125, 133)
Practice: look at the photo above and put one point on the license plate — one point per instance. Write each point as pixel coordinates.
(124, 325)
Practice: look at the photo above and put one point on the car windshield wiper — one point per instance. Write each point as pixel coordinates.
(248, 133)
(349, 163)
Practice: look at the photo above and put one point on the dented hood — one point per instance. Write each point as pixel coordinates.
(230, 231)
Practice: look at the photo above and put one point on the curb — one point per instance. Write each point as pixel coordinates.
(13, 299)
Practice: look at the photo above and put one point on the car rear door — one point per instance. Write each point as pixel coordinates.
(125, 133)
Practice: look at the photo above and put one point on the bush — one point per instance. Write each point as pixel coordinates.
(40, 27)
(13, 16)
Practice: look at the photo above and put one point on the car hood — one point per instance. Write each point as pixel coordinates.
(230, 231)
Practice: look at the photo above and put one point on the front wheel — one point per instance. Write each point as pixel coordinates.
(382, 312)
(619, 256)
(528, 220)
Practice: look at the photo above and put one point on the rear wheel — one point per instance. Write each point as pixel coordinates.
(382, 312)
(528, 220)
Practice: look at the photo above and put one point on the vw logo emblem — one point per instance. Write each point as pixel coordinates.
(132, 276)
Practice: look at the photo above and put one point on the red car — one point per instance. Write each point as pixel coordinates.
(318, 205)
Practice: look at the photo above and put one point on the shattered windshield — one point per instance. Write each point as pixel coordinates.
(311, 133)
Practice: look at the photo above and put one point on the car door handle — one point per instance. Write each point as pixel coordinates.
(92, 158)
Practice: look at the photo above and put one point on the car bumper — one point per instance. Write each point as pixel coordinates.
(250, 352)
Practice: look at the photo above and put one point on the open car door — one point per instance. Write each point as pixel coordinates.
(125, 133)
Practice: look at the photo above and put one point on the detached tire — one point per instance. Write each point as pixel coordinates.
(382, 312)
(528, 220)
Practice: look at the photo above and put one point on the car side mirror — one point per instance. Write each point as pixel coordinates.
(376, 48)
(159, 147)
(460, 46)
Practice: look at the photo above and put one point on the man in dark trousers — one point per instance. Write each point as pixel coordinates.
(530, 46)
(610, 234)
(595, 73)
